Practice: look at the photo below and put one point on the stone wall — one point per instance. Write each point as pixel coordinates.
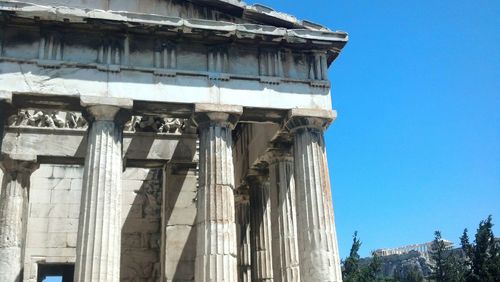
(54, 202)
(140, 257)
(53, 220)
(179, 223)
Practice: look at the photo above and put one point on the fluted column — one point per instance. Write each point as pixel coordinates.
(317, 239)
(243, 235)
(260, 230)
(216, 254)
(99, 229)
(284, 216)
(13, 214)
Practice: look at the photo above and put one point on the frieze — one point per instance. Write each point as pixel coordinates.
(155, 124)
(75, 120)
(47, 119)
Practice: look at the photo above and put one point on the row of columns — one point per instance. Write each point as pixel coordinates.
(296, 193)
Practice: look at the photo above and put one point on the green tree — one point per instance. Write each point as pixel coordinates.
(439, 258)
(483, 257)
(413, 274)
(408, 273)
(370, 272)
(351, 270)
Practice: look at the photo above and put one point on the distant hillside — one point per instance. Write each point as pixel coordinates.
(401, 265)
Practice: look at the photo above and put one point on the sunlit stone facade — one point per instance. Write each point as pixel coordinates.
(164, 140)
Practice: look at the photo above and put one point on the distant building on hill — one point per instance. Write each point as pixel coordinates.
(421, 248)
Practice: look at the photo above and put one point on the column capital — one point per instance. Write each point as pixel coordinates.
(309, 118)
(19, 167)
(18, 163)
(257, 176)
(226, 115)
(106, 108)
(280, 152)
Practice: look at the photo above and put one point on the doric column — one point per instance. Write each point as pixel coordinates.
(216, 254)
(260, 230)
(99, 229)
(13, 213)
(284, 215)
(243, 234)
(317, 239)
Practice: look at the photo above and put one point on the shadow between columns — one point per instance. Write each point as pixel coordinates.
(180, 220)
(141, 230)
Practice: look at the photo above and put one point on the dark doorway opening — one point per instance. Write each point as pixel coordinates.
(55, 272)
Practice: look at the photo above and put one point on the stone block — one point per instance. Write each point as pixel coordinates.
(132, 225)
(136, 174)
(42, 210)
(60, 184)
(52, 252)
(132, 211)
(63, 225)
(43, 183)
(73, 172)
(131, 197)
(47, 240)
(139, 264)
(179, 270)
(187, 182)
(43, 171)
(65, 196)
(180, 241)
(218, 108)
(132, 185)
(58, 171)
(38, 225)
(123, 103)
(60, 259)
(73, 211)
(71, 240)
(40, 196)
(181, 200)
(131, 240)
(185, 216)
(76, 184)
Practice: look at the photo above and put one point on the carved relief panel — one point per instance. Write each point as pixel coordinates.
(48, 119)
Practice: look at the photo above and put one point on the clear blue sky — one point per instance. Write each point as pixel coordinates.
(416, 145)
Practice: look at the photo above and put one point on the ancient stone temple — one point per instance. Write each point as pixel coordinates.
(164, 140)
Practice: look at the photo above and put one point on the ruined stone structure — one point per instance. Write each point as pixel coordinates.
(164, 140)
(423, 248)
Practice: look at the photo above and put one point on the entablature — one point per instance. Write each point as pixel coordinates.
(69, 18)
(72, 52)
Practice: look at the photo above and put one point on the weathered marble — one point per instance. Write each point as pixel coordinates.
(216, 255)
(284, 216)
(232, 70)
(179, 223)
(317, 239)
(244, 236)
(260, 208)
(13, 214)
(99, 232)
